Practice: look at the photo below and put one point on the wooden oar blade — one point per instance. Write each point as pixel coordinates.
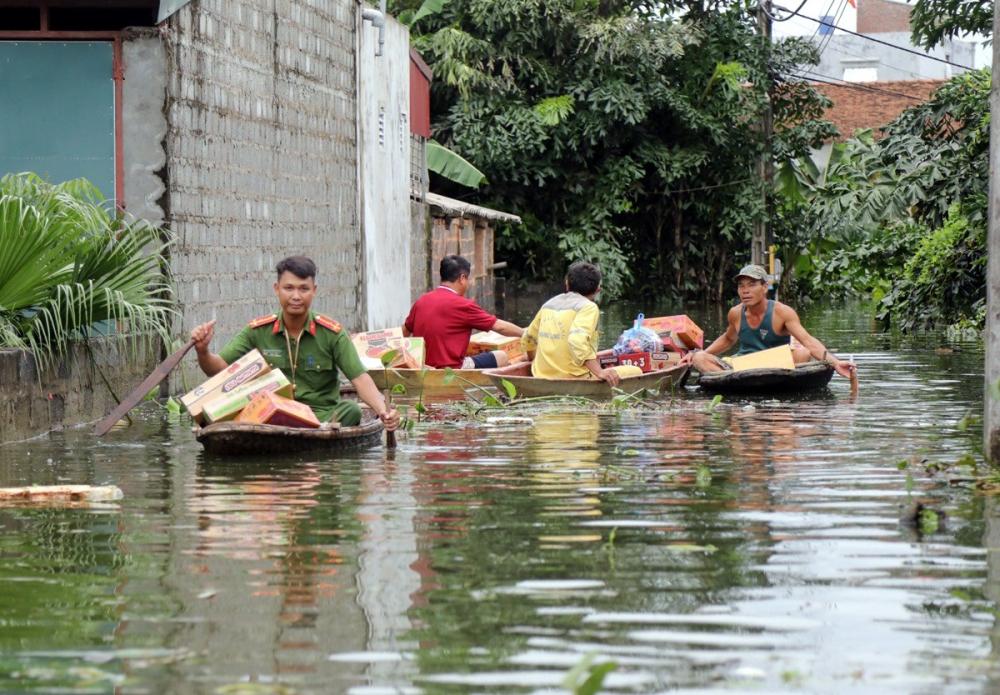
(136, 395)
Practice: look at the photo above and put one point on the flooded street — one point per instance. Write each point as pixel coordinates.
(757, 545)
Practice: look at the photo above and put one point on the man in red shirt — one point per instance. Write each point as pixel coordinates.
(445, 319)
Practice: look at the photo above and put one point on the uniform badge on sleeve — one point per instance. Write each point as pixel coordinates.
(327, 322)
(263, 321)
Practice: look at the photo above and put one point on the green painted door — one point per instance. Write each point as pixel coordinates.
(57, 110)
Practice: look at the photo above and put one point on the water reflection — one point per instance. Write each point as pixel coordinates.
(756, 545)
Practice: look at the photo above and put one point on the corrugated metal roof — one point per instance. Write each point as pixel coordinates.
(451, 206)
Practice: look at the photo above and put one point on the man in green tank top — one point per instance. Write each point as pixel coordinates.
(758, 323)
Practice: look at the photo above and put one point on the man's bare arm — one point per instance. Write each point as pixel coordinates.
(793, 326)
(728, 339)
(507, 328)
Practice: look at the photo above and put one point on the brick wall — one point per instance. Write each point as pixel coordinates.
(878, 16)
(261, 154)
(856, 106)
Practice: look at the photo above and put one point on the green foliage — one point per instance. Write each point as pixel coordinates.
(71, 269)
(426, 9)
(934, 21)
(508, 388)
(586, 678)
(902, 219)
(600, 123)
(944, 280)
(554, 110)
(453, 166)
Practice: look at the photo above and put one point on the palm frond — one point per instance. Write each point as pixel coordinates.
(70, 269)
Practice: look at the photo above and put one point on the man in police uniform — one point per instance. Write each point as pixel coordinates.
(307, 347)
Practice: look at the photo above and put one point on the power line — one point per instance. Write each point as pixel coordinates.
(836, 82)
(828, 38)
(708, 188)
(825, 14)
(841, 51)
(775, 18)
(884, 43)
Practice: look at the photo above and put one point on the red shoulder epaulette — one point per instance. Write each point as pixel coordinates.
(327, 322)
(263, 321)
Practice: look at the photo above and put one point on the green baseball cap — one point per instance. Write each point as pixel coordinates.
(753, 271)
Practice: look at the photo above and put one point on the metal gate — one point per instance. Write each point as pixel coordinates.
(57, 110)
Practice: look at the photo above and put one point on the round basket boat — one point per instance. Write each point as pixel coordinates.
(765, 382)
(241, 439)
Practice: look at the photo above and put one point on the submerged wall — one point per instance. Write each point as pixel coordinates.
(71, 392)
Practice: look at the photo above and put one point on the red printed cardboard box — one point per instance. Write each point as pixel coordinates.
(646, 361)
(373, 344)
(677, 332)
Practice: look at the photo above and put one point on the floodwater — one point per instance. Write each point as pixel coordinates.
(757, 546)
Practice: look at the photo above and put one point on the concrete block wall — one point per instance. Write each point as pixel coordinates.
(422, 276)
(262, 155)
(72, 392)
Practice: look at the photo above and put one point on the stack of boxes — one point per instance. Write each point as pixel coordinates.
(227, 395)
(678, 335)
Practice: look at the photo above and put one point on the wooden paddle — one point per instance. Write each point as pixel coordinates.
(132, 399)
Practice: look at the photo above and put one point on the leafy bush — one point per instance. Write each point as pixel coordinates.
(901, 219)
(69, 265)
(944, 282)
(864, 265)
(622, 132)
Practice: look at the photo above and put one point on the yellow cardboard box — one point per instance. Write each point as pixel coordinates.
(251, 366)
(774, 358)
(488, 341)
(229, 406)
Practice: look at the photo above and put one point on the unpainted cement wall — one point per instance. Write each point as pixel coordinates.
(384, 94)
(261, 155)
(144, 123)
(70, 393)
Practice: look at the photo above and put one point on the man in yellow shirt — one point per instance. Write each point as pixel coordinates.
(562, 338)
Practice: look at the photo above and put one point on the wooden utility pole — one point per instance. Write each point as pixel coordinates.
(765, 164)
(991, 392)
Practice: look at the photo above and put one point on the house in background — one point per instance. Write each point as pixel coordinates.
(252, 129)
(853, 58)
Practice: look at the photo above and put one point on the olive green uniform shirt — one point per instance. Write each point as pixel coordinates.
(324, 348)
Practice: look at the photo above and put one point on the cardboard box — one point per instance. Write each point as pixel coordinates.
(251, 366)
(488, 341)
(775, 358)
(268, 408)
(678, 332)
(373, 344)
(646, 361)
(228, 406)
